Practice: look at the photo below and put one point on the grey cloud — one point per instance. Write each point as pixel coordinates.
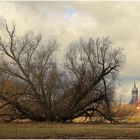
(119, 20)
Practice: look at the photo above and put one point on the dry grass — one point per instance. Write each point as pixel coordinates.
(42, 130)
(135, 118)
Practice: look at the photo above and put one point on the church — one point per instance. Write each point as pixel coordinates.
(135, 99)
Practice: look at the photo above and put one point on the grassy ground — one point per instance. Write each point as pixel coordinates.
(40, 130)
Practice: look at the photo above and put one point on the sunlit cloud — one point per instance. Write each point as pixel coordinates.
(68, 21)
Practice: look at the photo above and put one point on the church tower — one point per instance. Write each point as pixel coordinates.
(134, 94)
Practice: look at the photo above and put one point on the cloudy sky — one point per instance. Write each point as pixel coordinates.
(67, 21)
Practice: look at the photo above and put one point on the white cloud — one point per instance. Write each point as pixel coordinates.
(67, 21)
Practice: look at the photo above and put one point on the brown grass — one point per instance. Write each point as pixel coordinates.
(43, 130)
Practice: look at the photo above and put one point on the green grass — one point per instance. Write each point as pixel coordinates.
(40, 130)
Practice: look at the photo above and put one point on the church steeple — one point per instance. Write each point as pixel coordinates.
(134, 94)
(134, 85)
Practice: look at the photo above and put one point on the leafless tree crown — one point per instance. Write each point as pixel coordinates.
(34, 87)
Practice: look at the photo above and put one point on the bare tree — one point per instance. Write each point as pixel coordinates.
(45, 93)
(29, 62)
(92, 67)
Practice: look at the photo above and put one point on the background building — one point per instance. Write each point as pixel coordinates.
(134, 95)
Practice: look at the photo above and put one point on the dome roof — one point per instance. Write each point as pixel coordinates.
(134, 89)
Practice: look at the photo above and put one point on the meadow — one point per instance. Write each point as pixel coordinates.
(63, 131)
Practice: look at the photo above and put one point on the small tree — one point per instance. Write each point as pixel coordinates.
(123, 112)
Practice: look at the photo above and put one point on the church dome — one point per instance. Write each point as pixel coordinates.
(134, 99)
(134, 89)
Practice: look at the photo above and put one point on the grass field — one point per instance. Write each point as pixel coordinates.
(40, 130)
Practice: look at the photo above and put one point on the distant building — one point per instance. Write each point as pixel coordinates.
(134, 99)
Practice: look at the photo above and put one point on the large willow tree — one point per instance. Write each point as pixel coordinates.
(42, 92)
